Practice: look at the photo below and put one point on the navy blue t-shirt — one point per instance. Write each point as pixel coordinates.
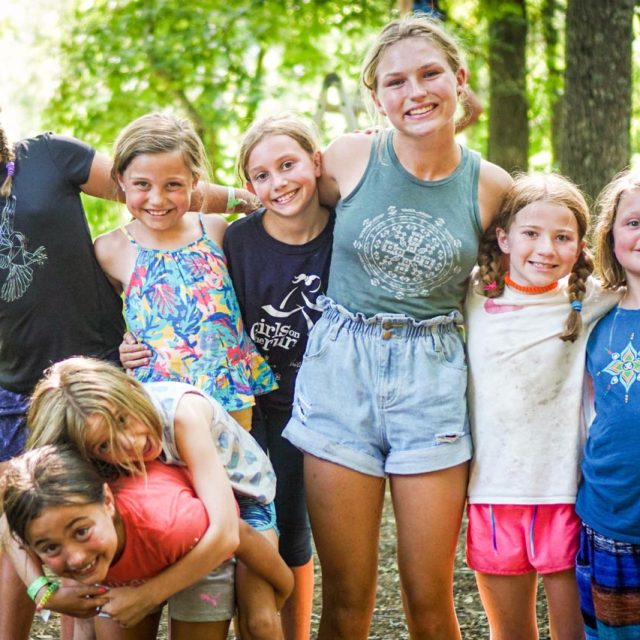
(609, 495)
(277, 285)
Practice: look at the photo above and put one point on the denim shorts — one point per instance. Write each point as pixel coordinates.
(382, 395)
(13, 432)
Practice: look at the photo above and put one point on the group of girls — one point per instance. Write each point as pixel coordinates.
(379, 389)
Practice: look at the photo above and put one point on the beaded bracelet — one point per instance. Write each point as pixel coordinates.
(36, 585)
(54, 585)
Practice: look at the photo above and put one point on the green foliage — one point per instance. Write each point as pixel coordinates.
(213, 61)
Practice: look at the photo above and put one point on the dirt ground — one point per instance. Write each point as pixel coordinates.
(388, 621)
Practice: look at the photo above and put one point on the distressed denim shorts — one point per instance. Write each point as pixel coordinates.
(382, 395)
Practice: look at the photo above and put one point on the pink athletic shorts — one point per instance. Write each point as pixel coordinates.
(514, 539)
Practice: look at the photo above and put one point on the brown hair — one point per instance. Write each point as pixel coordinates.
(51, 476)
(414, 25)
(77, 389)
(285, 124)
(527, 189)
(607, 266)
(159, 133)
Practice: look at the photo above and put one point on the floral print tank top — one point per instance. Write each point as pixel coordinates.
(181, 303)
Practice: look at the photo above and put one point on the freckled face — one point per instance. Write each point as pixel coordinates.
(542, 243)
(76, 541)
(157, 188)
(416, 87)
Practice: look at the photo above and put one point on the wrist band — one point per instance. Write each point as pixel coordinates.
(36, 585)
(53, 587)
(231, 200)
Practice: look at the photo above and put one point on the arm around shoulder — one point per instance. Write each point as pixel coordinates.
(494, 183)
(100, 184)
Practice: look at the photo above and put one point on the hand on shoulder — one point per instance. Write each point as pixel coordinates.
(493, 184)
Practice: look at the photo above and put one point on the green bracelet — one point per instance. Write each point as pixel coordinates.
(232, 201)
(54, 585)
(36, 585)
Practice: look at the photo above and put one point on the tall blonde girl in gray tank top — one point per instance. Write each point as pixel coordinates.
(381, 391)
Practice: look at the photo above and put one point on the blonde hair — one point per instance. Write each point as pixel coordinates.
(413, 25)
(159, 133)
(285, 124)
(76, 389)
(527, 189)
(608, 268)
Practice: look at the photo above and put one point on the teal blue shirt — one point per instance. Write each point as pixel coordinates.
(405, 245)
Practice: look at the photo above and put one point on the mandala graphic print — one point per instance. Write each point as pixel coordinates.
(624, 368)
(408, 252)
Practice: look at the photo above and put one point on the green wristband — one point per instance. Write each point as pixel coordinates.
(36, 585)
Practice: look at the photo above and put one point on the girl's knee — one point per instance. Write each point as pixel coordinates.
(261, 625)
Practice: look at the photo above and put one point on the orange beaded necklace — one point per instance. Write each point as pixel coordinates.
(531, 290)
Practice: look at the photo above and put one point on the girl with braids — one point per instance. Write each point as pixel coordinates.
(55, 300)
(529, 310)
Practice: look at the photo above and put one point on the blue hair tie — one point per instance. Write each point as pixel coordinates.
(576, 305)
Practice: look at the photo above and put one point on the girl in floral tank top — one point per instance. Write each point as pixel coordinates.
(179, 299)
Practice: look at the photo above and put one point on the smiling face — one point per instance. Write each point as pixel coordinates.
(284, 176)
(626, 235)
(542, 243)
(132, 442)
(76, 541)
(158, 188)
(416, 87)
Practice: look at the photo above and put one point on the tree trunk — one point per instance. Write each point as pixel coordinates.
(598, 80)
(554, 82)
(508, 122)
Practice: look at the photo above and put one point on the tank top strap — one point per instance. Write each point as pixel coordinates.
(131, 239)
(202, 227)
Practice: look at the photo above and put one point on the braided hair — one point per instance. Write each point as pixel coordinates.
(493, 264)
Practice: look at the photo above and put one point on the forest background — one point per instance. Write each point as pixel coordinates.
(558, 79)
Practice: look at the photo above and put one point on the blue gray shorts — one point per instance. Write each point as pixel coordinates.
(13, 432)
(382, 395)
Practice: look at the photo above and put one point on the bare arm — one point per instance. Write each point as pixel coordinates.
(116, 257)
(213, 198)
(128, 605)
(494, 183)
(343, 164)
